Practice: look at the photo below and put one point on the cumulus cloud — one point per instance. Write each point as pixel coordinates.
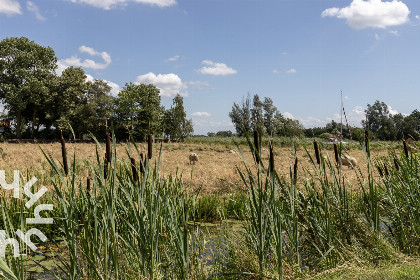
(115, 89)
(291, 71)
(394, 32)
(10, 7)
(30, 6)
(201, 114)
(288, 115)
(216, 68)
(87, 63)
(275, 71)
(168, 84)
(371, 13)
(110, 4)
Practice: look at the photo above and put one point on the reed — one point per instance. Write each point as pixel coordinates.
(150, 146)
(64, 155)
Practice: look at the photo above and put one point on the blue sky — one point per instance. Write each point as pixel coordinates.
(301, 53)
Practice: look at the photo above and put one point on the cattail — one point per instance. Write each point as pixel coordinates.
(64, 154)
(105, 167)
(134, 169)
(141, 164)
(295, 167)
(271, 157)
(88, 184)
(150, 145)
(380, 170)
(367, 140)
(336, 152)
(108, 147)
(397, 166)
(405, 148)
(318, 159)
(257, 146)
(386, 170)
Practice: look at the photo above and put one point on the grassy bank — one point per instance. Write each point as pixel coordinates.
(136, 221)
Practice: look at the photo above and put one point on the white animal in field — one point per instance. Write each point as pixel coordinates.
(193, 158)
(348, 161)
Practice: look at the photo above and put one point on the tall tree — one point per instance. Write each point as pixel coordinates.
(91, 116)
(241, 115)
(138, 107)
(270, 112)
(379, 121)
(257, 117)
(26, 71)
(175, 123)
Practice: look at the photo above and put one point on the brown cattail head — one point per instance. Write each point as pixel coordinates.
(134, 169)
(397, 166)
(150, 146)
(336, 152)
(367, 140)
(386, 170)
(318, 159)
(271, 157)
(405, 148)
(88, 184)
(257, 146)
(380, 171)
(64, 155)
(105, 167)
(295, 169)
(141, 164)
(108, 147)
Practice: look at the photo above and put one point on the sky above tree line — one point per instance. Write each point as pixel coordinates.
(300, 53)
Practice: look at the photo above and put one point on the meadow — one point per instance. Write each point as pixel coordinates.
(244, 211)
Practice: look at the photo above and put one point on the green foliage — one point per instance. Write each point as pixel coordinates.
(175, 123)
(263, 116)
(26, 73)
(138, 110)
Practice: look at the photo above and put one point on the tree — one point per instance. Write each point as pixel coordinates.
(97, 108)
(241, 116)
(379, 121)
(270, 112)
(176, 125)
(26, 72)
(257, 117)
(138, 109)
(70, 96)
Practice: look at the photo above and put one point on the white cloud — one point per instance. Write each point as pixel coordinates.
(392, 111)
(377, 37)
(394, 32)
(275, 71)
(371, 13)
(288, 115)
(110, 4)
(10, 7)
(87, 63)
(215, 68)
(174, 58)
(291, 71)
(201, 114)
(169, 84)
(200, 85)
(115, 89)
(30, 6)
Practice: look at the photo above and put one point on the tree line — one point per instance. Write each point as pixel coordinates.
(252, 113)
(41, 104)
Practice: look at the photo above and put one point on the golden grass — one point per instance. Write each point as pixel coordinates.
(215, 172)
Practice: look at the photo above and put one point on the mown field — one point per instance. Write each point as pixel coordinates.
(215, 173)
(224, 217)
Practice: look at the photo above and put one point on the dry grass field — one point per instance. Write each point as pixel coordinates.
(215, 172)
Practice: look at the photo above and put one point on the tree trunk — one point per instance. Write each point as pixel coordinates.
(19, 124)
